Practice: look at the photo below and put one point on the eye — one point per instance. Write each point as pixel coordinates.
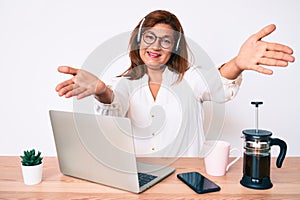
(149, 38)
(166, 41)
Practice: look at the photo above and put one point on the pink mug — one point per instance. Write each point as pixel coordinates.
(217, 157)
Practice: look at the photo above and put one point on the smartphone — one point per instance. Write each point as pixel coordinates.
(198, 182)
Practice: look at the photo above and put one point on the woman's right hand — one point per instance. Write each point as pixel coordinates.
(82, 84)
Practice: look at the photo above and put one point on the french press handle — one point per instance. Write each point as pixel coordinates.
(283, 148)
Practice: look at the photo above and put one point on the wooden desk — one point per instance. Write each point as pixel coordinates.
(286, 183)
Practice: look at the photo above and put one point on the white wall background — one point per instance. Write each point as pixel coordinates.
(36, 36)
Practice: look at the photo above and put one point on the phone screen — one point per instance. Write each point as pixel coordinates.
(198, 182)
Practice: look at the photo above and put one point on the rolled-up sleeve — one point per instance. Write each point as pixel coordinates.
(231, 87)
(119, 106)
(107, 109)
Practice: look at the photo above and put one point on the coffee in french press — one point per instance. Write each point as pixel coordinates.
(257, 156)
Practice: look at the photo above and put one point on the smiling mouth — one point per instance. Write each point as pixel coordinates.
(153, 55)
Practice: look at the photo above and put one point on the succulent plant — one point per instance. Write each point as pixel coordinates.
(30, 159)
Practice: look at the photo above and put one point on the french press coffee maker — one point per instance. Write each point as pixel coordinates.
(257, 158)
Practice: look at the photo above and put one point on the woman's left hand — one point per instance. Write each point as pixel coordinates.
(256, 53)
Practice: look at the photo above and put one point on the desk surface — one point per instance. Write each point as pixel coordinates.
(286, 183)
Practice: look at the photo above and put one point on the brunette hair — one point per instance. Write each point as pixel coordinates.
(178, 61)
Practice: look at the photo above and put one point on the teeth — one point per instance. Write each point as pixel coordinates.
(153, 54)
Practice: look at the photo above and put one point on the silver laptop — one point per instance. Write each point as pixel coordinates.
(101, 149)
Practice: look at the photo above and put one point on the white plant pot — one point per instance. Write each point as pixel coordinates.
(32, 174)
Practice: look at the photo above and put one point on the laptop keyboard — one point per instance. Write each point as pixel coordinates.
(145, 178)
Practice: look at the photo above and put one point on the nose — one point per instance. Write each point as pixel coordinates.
(156, 44)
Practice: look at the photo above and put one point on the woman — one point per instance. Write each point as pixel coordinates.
(161, 93)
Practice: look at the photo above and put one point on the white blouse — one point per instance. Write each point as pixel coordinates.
(172, 124)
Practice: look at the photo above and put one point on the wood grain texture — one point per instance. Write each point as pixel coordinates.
(286, 183)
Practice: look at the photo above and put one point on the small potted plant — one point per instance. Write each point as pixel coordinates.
(32, 167)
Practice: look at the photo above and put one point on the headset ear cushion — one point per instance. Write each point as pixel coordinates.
(138, 37)
(139, 34)
(178, 42)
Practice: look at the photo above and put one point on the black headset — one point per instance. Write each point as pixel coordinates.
(139, 35)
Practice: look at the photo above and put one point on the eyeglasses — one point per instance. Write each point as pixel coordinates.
(165, 42)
